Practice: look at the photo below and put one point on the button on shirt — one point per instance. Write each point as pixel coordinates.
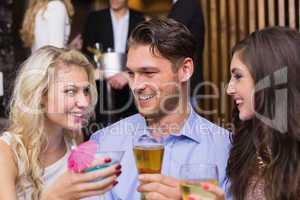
(199, 141)
(120, 29)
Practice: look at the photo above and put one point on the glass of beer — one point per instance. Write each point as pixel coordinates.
(192, 175)
(148, 153)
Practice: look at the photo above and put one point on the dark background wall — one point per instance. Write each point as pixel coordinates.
(11, 12)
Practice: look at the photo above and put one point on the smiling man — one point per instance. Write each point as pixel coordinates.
(159, 67)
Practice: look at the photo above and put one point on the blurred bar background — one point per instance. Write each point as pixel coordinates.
(226, 21)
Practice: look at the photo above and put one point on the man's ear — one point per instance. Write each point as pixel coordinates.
(186, 70)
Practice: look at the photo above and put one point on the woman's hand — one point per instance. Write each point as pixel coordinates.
(73, 186)
(216, 190)
(118, 81)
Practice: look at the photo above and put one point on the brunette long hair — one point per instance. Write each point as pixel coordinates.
(272, 56)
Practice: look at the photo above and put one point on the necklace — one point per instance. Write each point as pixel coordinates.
(263, 157)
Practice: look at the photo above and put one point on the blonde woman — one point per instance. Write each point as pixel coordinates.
(53, 95)
(47, 22)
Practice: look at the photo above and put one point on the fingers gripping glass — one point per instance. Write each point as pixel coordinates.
(192, 175)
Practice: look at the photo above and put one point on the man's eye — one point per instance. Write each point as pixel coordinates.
(130, 74)
(149, 73)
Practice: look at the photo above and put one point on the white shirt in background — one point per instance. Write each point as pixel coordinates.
(120, 31)
(52, 26)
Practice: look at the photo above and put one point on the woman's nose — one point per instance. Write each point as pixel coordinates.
(83, 100)
(230, 89)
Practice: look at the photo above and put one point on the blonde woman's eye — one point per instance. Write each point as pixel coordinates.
(70, 92)
(130, 74)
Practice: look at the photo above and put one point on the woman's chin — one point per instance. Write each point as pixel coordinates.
(74, 127)
(245, 116)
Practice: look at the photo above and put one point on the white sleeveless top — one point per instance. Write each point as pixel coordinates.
(52, 26)
(50, 174)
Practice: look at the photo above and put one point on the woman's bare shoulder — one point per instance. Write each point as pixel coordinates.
(8, 172)
(8, 161)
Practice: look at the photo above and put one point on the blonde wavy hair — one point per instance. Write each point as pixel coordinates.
(34, 6)
(26, 110)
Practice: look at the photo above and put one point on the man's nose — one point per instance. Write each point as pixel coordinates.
(138, 83)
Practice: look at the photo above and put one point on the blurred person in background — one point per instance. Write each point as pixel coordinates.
(111, 28)
(189, 12)
(48, 22)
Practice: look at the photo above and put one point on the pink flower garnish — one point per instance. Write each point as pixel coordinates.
(82, 156)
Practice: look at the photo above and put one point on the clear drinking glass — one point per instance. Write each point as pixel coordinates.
(192, 175)
(149, 152)
(114, 155)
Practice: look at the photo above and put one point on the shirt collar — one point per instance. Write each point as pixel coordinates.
(190, 127)
(189, 130)
(114, 19)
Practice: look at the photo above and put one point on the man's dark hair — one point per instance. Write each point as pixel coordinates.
(171, 39)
